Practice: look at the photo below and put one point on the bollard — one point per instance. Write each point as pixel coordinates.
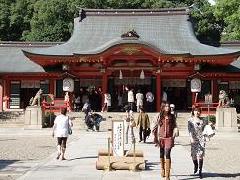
(133, 166)
(134, 150)
(108, 167)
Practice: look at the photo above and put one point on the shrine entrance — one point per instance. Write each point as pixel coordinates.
(178, 93)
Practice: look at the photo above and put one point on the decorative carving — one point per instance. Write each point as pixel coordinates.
(130, 34)
(223, 99)
(36, 100)
(130, 50)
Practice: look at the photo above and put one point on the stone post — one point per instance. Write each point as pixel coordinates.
(226, 119)
(33, 117)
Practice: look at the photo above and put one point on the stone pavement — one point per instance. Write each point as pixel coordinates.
(81, 157)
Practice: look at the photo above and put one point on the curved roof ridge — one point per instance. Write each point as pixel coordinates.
(169, 33)
(120, 41)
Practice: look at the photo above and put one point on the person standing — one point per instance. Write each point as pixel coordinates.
(164, 95)
(197, 139)
(61, 127)
(144, 124)
(107, 102)
(130, 99)
(149, 101)
(139, 99)
(130, 123)
(164, 135)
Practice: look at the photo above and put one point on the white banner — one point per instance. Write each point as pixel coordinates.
(195, 85)
(118, 137)
(68, 85)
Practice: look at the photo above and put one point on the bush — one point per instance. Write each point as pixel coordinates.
(48, 119)
(212, 119)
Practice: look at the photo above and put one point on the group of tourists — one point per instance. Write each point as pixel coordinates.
(126, 98)
(164, 131)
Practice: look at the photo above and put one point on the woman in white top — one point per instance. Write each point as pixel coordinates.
(107, 102)
(61, 127)
(130, 123)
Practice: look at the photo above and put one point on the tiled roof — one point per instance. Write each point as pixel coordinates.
(168, 31)
(12, 59)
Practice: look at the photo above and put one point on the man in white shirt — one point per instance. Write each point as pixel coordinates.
(139, 98)
(130, 99)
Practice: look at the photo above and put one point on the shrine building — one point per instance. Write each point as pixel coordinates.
(151, 50)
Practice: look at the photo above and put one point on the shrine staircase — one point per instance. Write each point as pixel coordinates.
(105, 125)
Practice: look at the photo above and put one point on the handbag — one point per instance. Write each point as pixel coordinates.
(69, 128)
(176, 132)
(133, 123)
(148, 132)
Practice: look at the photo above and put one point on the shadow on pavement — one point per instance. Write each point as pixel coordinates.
(8, 139)
(225, 175)
(5, 163)
(150, 165)
(206, 175)
(87, 157)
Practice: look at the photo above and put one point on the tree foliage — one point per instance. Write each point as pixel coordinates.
(4, 20)
(229, 12)
(52, 20)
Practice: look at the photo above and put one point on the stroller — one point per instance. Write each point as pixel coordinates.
(93, 119)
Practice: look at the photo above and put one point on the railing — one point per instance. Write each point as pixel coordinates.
(207, 106)
(56, 105)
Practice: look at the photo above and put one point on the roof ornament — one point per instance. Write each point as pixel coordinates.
(132, 34)
(82, 15)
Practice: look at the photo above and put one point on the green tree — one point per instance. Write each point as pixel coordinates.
(4, 19)
(206, 27)
(229, 12)
(21, 14)
(51, 21)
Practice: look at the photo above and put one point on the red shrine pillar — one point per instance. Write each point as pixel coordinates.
(158, 91)
(193, 98)
(51, 86)
(1, 97)
(214, 90)
(104, 83)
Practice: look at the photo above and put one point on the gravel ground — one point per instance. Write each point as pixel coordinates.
(222, 155)
(19, 153)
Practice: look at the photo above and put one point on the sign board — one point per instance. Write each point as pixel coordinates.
(174, 83)
(195, 85)
(30, 84)
(118, 137)
(68, 85)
